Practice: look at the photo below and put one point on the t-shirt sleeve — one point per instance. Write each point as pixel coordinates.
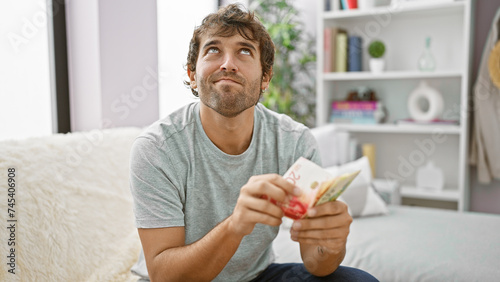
(308, 147)
(157, 201)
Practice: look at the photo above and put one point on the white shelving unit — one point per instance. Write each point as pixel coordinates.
(401, 149)
(365, 75)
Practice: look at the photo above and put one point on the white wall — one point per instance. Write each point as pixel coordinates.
(82, 25)
(227, 2)
(176, 22)
(307, 14)
(25, 81)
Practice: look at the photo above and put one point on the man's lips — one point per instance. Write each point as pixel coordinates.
(227, 80)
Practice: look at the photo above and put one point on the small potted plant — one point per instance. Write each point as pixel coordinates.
(376, 49)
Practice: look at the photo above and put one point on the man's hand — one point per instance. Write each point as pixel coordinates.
(253, 205)
(326, 227)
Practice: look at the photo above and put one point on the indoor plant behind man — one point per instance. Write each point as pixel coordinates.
(198, 176)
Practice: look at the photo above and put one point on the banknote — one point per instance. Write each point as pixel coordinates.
(318, 187)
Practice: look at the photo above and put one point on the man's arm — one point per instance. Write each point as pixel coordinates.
(168, 258)
(323, 237)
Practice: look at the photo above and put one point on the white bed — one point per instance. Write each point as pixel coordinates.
(402, 243)
(417, 244)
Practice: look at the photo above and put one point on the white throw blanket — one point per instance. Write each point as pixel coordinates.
(73, 206)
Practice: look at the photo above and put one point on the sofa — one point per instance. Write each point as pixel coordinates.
(66, 203)
(72, 205)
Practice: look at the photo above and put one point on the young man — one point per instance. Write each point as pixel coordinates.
(198, 176)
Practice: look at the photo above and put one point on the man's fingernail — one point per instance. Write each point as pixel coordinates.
(311, 212)
(297, 191)
(287, 200)
(296, 225)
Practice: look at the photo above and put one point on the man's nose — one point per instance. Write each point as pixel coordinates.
(229, 64)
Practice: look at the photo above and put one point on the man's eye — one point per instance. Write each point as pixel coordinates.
(246, 52)
(213, 50)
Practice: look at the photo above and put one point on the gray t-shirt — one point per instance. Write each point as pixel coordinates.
(180, 178)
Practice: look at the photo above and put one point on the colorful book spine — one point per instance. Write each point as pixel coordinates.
(329, 45)
(353, 4)
(354, 105)
(349, 4)
(358, 112)
(355, 50)
(341, 52)
(335, 4)
(328, 50)
(344, 5)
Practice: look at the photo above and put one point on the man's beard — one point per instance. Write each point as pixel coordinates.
(227, 101)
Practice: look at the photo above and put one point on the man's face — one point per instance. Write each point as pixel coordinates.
(228, 74)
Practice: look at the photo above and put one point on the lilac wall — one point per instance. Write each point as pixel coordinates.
(113, 63)
(129, 62)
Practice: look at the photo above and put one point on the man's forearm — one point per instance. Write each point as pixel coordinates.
(320, 261)
(202, 260)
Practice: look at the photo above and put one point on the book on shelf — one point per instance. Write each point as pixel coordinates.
(330, 44)
(349, 4)
(355, 112)
(327, 50)
(355, 50)
(332, 5)
(409, 121)
(341, 52)
(335, 5)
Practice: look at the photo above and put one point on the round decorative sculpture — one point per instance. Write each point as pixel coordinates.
(433, 98)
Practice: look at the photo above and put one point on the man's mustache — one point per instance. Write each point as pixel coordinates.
(229, 75)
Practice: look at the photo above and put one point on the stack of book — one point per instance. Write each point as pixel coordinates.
(341, 52)
(335, 5)
(355, 112)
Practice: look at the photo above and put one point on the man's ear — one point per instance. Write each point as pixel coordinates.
(266, 79)
(192, 79)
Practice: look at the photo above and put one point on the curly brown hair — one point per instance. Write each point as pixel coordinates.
(226, 22)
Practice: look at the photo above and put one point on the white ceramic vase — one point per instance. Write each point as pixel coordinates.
(377, 65)
(430, 177)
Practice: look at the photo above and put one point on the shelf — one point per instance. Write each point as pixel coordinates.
(366, 75)
(393, 128)
(400, 9)
(403, 26)
(420, 193)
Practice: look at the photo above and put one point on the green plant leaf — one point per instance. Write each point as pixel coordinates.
(376, 49)
(292, 88)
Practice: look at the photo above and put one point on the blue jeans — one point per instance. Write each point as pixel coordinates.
(297, 272)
